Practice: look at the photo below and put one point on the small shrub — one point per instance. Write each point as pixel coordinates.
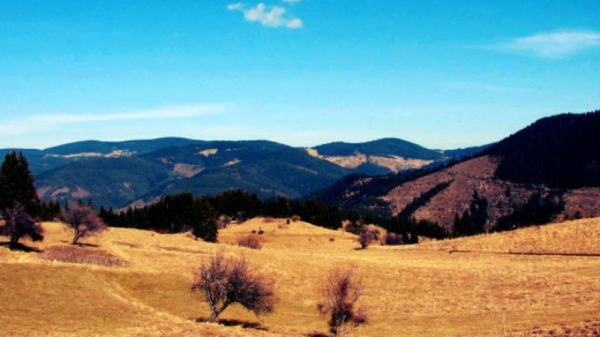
(296, 218)
(222, 281)
(367, 236)
(250, 241)
(223, 221)
(80, 255)
(19, 224)
(392, 239)
(340, 295)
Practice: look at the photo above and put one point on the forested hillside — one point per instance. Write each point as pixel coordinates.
(547, 171)
(559, 152)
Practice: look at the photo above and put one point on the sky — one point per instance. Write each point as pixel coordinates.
(443, 74)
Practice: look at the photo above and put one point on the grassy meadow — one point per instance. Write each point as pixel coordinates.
(136, 283)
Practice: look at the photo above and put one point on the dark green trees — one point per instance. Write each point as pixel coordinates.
(16, 185)
(204, 224)
(18, 200)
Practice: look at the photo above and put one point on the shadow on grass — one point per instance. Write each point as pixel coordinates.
(21, 247)
(317, 334)
(87, 245)
(236, 322)
(80, 244)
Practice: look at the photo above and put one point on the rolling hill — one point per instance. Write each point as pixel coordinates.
(136, 283)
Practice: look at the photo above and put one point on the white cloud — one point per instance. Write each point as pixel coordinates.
(236, 6)
(269, 16)
(29, 124)
(43, 130)
(555, 45)
(171, 112)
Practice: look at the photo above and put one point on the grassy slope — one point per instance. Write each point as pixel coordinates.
(410, 291)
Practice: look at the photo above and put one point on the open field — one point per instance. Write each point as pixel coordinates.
(136, 283)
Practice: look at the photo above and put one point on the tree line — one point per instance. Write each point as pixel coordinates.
(205, 215)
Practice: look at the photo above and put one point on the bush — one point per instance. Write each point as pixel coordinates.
(392, 239)
(340, 295)
(222, 281)
(250, 241)
(19, 224)
(367, 236)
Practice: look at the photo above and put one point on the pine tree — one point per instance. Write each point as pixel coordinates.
(17, 185)
(204, 225)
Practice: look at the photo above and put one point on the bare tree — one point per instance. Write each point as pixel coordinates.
(222, 281)
(19, 224)
(367, 235)
(340, 295)
(83, 220)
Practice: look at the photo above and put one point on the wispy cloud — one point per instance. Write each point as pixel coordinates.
(553, 45)
(268, 16)
(34, 123)
(481, 87)
(170, 112)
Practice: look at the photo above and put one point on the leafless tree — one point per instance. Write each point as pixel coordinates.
(222, 281)
(367, 235)
(83, 220)
(19, 224)
(340, 296)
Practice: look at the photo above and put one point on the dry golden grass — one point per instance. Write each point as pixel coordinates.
(409, 291)
(575, 237)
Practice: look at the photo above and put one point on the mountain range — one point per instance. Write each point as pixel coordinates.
(120, 174)
(549, 170)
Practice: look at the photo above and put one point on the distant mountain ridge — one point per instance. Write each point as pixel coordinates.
(387, 155)
(117, 174)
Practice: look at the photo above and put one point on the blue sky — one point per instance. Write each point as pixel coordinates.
(440, 73)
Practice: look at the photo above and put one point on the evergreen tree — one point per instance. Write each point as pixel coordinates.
(17, 185)
(204, 224)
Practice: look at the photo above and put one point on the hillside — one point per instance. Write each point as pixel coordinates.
(265, 168)
(141, 286)
(558, 152)
(551, 165)
(111, 182)
(388, 155)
